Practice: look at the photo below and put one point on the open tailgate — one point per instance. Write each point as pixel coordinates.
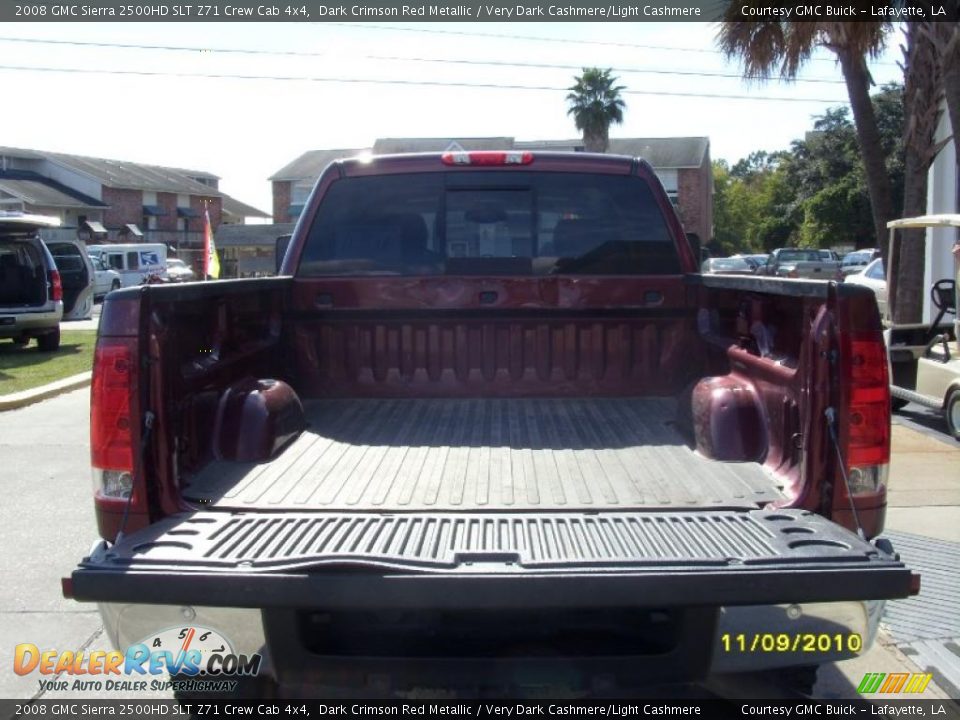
(355, 560)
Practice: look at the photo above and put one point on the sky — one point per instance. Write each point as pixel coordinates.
(143, 106)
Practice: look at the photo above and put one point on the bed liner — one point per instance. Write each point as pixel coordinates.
(486, 454)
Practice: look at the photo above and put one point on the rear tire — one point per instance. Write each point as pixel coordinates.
(21, 341)
(898, 404)
(951, 412)
(49, 342)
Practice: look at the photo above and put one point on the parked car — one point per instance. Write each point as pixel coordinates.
(31, 293)
(873, 277)
(857, 260)
(179, 271)
(106, 278)
(806, 263)
(756, 261)
(500, 450)
(727, 266)
(77, 276)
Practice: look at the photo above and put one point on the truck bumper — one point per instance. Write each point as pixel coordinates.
(746, 639)
(763, 637)
(30, 323)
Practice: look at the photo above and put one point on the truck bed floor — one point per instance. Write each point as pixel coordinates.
(489, 454)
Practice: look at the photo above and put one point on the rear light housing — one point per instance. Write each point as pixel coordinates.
(56, 286)
(114, 437)
(864, 432)
(868, 418)
(487, 158)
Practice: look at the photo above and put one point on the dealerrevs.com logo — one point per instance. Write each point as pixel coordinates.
(200, 658)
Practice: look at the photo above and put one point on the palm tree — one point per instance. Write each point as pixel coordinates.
(923, 90)
(767, 48)
(595, 103)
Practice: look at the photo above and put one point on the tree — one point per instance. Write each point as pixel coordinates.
(595, 103)
(766, 47)
(752, 204)
(813, 194)
(923, 92)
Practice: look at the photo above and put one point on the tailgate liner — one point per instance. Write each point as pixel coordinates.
(483, 560)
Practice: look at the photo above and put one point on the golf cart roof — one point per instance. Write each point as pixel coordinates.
(925, 221)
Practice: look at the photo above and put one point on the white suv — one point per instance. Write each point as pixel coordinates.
(31, 293)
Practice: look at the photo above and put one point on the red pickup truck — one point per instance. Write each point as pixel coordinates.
(490, 429)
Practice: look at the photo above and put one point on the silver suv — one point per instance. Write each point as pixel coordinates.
(31, 293)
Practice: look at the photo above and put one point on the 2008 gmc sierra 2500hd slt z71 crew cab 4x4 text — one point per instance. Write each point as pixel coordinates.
(490, 428)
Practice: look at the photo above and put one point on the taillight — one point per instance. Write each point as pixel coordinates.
(114, 434)
(487, 157)
(56, 286)
(868, 416)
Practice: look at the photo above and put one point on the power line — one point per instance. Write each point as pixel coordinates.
(540, 38)
(392, 81)
(180, 48)
(550, 66)
(396, 58)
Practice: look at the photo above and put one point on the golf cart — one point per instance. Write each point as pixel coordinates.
(925, 359)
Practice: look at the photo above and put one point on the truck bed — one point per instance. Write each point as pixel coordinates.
(489, 454)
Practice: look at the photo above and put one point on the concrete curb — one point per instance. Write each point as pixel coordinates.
(35, 395)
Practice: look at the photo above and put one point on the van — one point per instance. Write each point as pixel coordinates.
(135, 262)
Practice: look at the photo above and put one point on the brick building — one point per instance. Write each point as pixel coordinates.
(126, 200)
(682, 164)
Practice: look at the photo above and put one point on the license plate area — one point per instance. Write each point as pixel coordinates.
(490, 633)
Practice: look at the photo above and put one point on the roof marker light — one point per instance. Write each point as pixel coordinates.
(487, 157)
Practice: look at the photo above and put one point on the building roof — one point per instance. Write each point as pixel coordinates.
(396, 146)
(125, 174)
(312, 163)
(661, 153)
(672, 152)
(575, 145)
(251, 235)
(34, 189)
(232, 206)
(134, 176)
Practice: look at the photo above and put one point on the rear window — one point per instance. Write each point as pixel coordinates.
(721, 264)
(66, 256)
(800, 256)
(489, 223)
(19, 254)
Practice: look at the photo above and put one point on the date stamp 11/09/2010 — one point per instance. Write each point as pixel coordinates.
(791, 642)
